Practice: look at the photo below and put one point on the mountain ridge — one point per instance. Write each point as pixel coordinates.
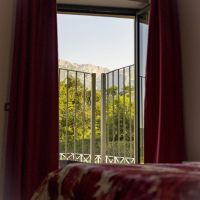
(89, 68)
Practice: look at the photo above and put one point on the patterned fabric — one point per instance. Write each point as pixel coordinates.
(80, 181)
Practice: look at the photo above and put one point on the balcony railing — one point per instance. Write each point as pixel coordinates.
(87, 158)
(96, 116)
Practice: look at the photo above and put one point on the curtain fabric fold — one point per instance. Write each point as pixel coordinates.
(32, 137)
(164, 127)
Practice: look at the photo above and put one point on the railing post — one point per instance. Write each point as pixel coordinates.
(93, 117)
(103, 118)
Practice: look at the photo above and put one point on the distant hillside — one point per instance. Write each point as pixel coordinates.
(83, 67)
(89, 68)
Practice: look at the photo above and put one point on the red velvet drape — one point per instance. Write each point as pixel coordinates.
(164, 127)
(32, 137)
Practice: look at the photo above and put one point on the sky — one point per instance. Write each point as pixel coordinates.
(102, 41)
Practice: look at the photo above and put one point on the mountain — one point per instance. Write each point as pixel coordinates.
(89, 68)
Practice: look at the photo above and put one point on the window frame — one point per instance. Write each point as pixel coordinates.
(117, 12)
(138, 19)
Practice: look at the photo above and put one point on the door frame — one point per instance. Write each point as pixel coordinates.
(126, 13)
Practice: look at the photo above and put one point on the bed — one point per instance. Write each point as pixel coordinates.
(79, 181)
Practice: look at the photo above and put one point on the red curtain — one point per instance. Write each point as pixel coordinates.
(32, 137)
(164, 127)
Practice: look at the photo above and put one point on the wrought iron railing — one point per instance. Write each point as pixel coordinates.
(77, 93)
(87, 158)
(97, 124)
(119, 114)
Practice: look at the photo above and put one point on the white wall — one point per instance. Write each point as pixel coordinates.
(7, 18)
(190, 34)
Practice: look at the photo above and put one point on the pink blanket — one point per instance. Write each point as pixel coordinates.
(80, 181)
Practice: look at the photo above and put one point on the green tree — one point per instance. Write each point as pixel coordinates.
(75, 115)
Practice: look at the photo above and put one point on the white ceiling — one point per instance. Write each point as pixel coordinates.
(108, 3)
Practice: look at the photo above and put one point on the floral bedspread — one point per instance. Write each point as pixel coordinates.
(80, 181)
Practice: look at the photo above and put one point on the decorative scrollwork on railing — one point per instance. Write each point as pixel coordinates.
(87, 158)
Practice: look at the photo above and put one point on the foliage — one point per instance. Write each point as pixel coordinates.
(75, 117)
